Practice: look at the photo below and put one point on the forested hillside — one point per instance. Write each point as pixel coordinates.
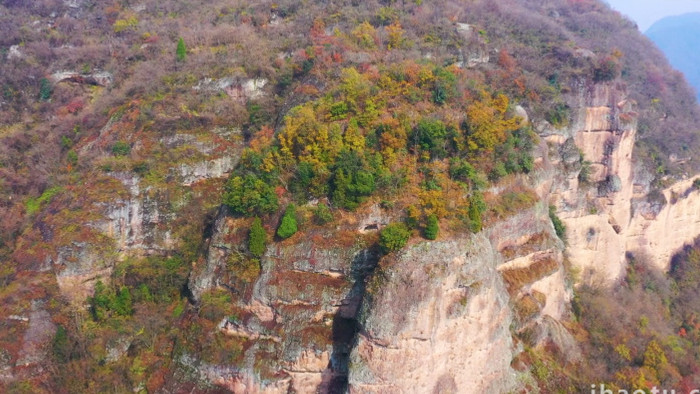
(219, 196)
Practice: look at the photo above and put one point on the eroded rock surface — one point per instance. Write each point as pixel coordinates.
(443, 305)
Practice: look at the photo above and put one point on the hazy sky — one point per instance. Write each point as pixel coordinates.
(646, 12)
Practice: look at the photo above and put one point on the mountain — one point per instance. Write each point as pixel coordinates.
(344, 196)
(677, 36)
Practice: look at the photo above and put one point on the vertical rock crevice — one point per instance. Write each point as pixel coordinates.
(346, 326)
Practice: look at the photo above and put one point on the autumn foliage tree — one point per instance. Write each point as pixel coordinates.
(486, 124)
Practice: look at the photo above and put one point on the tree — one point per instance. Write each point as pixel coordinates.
(487, 123)
(323, 214)
(250, 195)
(288, 225)
(445, 86)
(432, 228)
(61, 345)
(257, 238)
(365, 35)
(181, 51)
(45, 89)
(394, 237)
(430, 135)
(122, 302)
(100, 301)
(477, 206)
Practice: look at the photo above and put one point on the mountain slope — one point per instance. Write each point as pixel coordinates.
(320, 196)
(677, 37)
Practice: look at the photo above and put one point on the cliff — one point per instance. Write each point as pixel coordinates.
(610, 214)
(464, 178)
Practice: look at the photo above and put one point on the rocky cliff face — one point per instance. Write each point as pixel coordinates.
(300, 307)
(456, 305)
(468, 304)
(316, 316)
(609, 211)
(596, 206)
(135, 160)
(448, 304)
(660, 230)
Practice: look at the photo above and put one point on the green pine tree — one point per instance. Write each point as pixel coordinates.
(181, 51)
(257, 238)
(288, 226)
(45, 89)
(474, 218)
(432, 228)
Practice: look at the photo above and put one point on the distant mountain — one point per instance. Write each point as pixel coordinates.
(679, 38)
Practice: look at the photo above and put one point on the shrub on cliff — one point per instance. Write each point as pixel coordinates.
(432, 228)
(249, 195)
(257, 238)
(559, 226)
(60, 345)
(394, 237)
(106, 301)
(288, 225)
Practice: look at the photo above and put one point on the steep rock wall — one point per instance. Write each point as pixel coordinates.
(661, 235)
(449, 302)
(301, 308)
(441, 305)
(610, 214)
(453, 305)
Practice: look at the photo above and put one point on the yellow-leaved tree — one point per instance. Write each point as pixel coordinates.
(487, 124)
(306, 139)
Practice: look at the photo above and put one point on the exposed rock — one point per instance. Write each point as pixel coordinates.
(520, 112)
(216, 168)
(202, 278)
(676, 224)
(179, 140)
(134, 222)
(584, 53)
(375, 220)
(620, 215)
(36, 337)
(117, 350)
(101, 78)
(215, 85)
(438, 304)
(476, 50)
(236, 88)
(551, 333)
(234, 329)
(78, 267)
(14, 52)
(607, 143)
(72, 3)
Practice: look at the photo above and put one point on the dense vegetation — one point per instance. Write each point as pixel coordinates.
(396, 104)
(644, 333)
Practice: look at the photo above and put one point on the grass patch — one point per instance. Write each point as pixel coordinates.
(516, 278)
(33, 205)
